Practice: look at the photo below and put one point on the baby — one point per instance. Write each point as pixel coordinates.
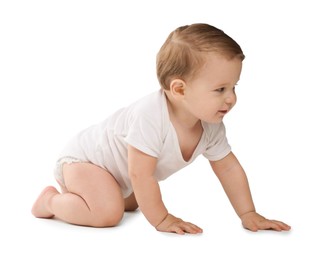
(115, 166)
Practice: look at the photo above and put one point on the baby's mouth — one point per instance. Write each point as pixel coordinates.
(223, 111)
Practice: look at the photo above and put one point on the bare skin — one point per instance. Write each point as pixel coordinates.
(39, 208)
(92, 197)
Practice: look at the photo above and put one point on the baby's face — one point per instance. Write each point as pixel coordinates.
(211, 94)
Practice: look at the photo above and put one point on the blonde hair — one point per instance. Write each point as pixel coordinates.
(183, 52)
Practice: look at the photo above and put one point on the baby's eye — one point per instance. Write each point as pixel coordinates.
(219, 90)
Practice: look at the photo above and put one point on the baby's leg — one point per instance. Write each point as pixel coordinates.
(130, 203)
(39, 208)
(93, 197)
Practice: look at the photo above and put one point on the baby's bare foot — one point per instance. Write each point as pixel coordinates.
(39, 209)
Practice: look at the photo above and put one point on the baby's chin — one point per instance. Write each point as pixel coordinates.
(217, 120)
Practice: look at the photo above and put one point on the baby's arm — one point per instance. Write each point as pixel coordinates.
(146, 188)
(235, 183)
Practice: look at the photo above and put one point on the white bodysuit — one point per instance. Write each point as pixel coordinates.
(146, 126)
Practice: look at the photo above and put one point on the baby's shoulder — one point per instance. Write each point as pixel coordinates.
(150, 106)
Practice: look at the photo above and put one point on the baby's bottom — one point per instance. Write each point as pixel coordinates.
(91, 196)
(58, 172)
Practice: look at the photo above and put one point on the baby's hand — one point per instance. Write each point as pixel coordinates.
(177, 225)
(254, 222)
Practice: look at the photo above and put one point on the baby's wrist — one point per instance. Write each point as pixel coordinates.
(162, 220)
(247, 213)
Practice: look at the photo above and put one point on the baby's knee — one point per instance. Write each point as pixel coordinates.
(131, 203)
(109, 219)
(131, 208)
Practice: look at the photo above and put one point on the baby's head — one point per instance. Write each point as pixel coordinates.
(185, 49)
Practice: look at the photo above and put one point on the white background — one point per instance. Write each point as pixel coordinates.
(65, 65)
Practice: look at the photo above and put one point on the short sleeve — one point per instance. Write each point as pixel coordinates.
(144, 133)
(218, 146)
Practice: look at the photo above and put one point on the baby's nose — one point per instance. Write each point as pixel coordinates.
(230, 99)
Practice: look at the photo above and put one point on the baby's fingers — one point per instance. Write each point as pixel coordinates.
(273, 225)
(282, 225)
(191, 228)
(186, 227)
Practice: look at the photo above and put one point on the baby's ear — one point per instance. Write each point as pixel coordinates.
(177, 87)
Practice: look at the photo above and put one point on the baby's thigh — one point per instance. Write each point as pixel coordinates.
(95, 185)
